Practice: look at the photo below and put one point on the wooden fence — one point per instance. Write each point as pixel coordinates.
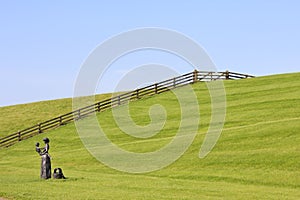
(153, 89)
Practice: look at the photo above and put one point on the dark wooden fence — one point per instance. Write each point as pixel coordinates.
(153, 89)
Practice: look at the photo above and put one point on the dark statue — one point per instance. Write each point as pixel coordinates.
(46, 162)
(58, 174)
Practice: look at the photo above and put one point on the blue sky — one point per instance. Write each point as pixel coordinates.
(44, 43)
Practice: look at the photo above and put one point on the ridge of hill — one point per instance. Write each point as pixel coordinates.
(256, 157)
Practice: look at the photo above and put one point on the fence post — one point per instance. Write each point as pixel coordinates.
(78, 113)
(155, 88)
(19, 136)
(227, 75)
(119, 101)
(137, 93)
(40, 130)
(174, 82)
(195, 76)
(98, 107)
(60, 120)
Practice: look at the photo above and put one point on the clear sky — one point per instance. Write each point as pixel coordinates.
(44, 43)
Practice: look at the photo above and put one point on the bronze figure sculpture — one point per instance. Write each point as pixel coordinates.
(46, 162)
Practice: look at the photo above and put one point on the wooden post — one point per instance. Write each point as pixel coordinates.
(155, 88)
(195, 76)
(60, 120)
(19, 136)
(174, 82)
(227, 75)
(98, 107)
(78, 113)
(40, 130)
(119, 101)
(137, 94)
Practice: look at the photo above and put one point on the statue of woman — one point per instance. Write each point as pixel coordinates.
(46, 162)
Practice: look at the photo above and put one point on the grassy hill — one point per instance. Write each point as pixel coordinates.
(18, 117)
(256, 157)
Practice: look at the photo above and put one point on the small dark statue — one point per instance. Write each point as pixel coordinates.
(46, 162)
(58, 174)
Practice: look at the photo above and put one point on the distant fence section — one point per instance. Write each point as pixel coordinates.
(153, 89)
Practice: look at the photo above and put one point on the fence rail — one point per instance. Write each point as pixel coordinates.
(153, 89)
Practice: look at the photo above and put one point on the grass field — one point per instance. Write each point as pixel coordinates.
(18, 117)
(256, 157)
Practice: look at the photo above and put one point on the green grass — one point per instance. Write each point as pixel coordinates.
(256, 157)
(18, 117)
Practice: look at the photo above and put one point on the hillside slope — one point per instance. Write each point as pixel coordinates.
(18, 117)
(256, 157)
